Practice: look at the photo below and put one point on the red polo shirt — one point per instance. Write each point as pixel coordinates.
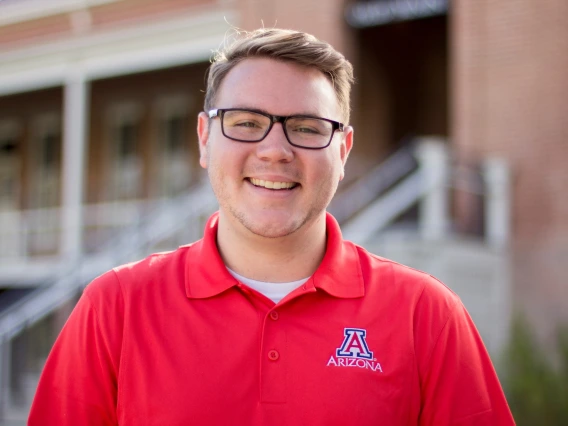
(176, 340)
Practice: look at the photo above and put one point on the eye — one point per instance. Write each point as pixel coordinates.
(249, 124)
(308, 126)
(308, 130)
(245, 120)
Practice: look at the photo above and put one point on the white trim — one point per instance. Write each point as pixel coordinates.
(32, 80)
(15, 11)
(175, 42)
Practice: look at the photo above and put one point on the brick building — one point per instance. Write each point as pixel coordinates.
(98, 100)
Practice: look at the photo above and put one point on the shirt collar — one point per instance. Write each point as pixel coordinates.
(339, 273)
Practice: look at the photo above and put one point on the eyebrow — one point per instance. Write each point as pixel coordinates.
(263, 111)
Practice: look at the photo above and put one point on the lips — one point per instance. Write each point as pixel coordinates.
(272, 184)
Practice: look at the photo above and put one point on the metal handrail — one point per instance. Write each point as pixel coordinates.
(385, 209)
(366, 189)
(157, 225)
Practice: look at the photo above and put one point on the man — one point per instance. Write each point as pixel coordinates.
(271, 318)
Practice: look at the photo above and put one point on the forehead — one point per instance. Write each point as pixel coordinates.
(278, 87)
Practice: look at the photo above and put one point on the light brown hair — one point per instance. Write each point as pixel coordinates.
(283, 45)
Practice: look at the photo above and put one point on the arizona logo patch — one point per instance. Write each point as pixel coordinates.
(354, 351)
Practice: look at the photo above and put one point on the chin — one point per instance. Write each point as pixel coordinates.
(271, 229)
(270, 225)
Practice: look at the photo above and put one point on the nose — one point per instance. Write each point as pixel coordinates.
(275, 147)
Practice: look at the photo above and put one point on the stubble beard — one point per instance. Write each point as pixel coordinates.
(272, 230)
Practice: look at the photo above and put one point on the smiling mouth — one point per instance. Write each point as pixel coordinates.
(272, 185)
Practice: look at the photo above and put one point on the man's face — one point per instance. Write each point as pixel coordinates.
(236, 168)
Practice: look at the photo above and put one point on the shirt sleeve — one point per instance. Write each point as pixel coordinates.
(459, 386)
(78, 385)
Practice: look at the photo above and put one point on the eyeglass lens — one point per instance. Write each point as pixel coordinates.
(249, 126)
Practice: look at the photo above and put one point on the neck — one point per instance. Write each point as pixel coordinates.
(282, 259)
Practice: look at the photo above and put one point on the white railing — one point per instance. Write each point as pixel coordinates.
(429, 187)
(29, 231)
(166, 223)
(384, 209)
(366, 188)
(26, 235)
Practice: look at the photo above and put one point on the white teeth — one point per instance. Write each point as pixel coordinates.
(272, 185)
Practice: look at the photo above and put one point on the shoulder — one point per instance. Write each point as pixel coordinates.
(124, 280)
(154, 265)
(409, 296)
(405, 281)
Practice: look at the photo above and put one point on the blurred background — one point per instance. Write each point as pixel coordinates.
(460, 164)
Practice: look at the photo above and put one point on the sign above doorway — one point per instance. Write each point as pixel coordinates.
(362, 14)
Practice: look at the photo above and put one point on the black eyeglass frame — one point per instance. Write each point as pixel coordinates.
(219, 112)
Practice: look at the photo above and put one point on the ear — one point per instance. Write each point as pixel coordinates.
(203, 135)
(345, 149)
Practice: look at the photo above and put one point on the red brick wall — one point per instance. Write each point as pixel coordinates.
(510, 99)
(324, 19)
(111, 15)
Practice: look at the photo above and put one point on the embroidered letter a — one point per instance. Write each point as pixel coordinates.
(354, 344)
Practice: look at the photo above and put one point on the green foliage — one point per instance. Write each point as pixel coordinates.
(537, 391)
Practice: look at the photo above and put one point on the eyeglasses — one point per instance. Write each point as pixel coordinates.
(243, 125)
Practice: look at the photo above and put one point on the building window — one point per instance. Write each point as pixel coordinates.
(45, 161)
(171, 171)
(44, 178)
(124, 162)
(175, 133)
(10, 134)
(126, 140)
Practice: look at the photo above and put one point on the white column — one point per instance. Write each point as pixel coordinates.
(497, 202)
(434, 209)
(76, 94)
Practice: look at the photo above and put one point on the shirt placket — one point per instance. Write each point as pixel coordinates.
(273, 359)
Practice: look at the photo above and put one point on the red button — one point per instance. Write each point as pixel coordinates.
(274, 315)
(273, 355)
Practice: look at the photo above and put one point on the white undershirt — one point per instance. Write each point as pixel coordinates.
(274, 291)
